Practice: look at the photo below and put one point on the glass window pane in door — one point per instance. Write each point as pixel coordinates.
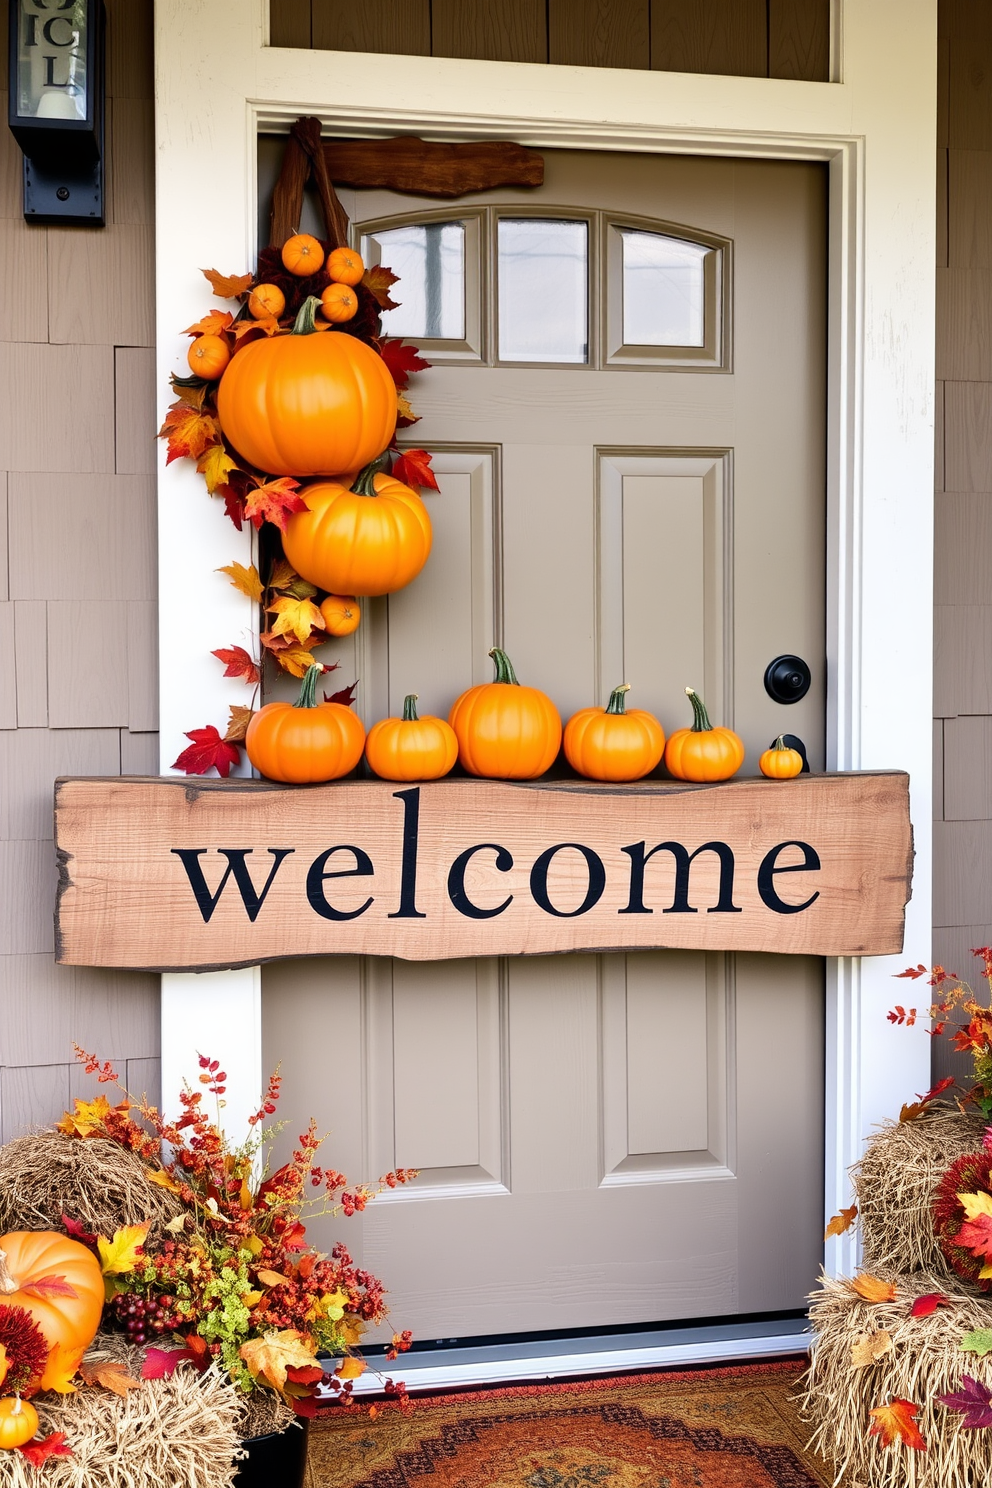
(430, 262)
(543, 290)
(663, 290)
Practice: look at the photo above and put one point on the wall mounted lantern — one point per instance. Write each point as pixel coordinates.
(56, 107)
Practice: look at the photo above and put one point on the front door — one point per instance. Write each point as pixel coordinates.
(626, 412)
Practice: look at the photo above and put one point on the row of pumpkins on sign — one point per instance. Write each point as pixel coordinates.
(499, 730)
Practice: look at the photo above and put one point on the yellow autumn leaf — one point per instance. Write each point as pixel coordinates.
(351, 1329)
(295, 659)
(873, 1289)
(245, 579)
(87, 1117)
(842, 1222)
(270, 1356)
(120, 1255)
(333, 1304)
(296, 617)
(975, 1204)
(253, 1245)
(870, 1346)
(163, 1179)
(404, 410)
(63, 1363)
(350, 1369)
(251, 1299)
(215, 465)
(4, 1364)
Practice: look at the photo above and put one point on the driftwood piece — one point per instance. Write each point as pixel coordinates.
(305, 157)
(426, 168)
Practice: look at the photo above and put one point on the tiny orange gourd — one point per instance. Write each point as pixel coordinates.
(505, 731)
(27, 1259)
(611, 743)
(302, 255)
(702, 752)
(338, 303)
(18, 1421)
(266, 299)
(208, 356)
(305, 742)
(342, 614)
(345, 266)
(411, 747)
(780, 762)
(370, 539)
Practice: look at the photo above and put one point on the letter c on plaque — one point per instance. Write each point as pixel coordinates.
(456, 881)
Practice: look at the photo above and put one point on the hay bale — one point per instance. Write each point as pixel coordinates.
(895, 1181)
(103, 1186)
(925, 1362)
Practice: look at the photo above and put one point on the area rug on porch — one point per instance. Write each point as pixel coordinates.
(715, 1428)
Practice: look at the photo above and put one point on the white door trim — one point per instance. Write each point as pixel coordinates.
(217, 83)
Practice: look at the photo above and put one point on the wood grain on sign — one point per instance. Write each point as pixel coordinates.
(182, 874)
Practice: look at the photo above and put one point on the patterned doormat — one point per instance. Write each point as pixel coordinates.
(715, 1428)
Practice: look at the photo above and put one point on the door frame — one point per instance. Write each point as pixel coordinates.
(218, 83)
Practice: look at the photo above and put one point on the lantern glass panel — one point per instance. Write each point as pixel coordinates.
(51, 59)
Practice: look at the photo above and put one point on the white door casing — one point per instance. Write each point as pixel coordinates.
(218, 84)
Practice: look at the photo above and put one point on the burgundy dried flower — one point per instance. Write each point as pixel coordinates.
(26, 1349)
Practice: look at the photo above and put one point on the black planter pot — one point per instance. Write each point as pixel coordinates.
(276, 1460)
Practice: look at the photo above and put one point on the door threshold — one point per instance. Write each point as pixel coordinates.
(537, 1360)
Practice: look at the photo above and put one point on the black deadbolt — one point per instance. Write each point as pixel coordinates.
(787, 679)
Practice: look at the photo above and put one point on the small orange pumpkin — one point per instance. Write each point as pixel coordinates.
(610, 743)
(30, 1257)
(345, 266)
(18, 1421)
(305, 742)
(342, 614)
(411, 748)
(371, 539)
(780, 762)
(308, 404)
(266, 299)
(208, 356)
(302, 255)
(702, 752)
(338, 303)
(506, 731)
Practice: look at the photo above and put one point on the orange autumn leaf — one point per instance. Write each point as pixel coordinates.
(237, 729)
(4, 1364)
(62, 1366)
(295, 658)
(379, 280)
(350, 1369)
(272, 1278)
(188, 432)
(244, 579)
(274, 501)
(896, 1422)
(193, 391)
(163, 1179)
(296, 617)
(109, 1375)
(265, 323)
(841, 1222)
(404, 412)
(227, 286)
(872, 1289)
(270, 1356)
(212, 324)
(215, 465)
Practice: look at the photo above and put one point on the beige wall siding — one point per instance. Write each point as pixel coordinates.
(77, 576)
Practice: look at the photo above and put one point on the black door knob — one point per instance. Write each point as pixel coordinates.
(787, 679)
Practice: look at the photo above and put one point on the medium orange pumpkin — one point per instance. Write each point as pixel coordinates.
(506, 731)
(18, 1421)
(302, 255)
(371, 539)
(305, 742)
(208, 356)
(342, 614)
(345, 266)
(30, 1257)
(338, 303)
(266, 299)
(610, 743)
(307, 404)
(780, 762)
(702, 752)
(411, 748)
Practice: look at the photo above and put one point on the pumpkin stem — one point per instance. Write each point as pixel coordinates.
(780, 743)
(504, 667)
(7, 1282)
(308, 687)
(365, 480)
(305, 324)
(700, 718)
(618, 699)
(410, 708)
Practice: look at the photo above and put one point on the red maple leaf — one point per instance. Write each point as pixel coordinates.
(237, 663)
(161, 1362)
(76, 1231)
(976, 1235)
(273, 501)
(924, 1306)
(895, 1422)
(346, 696)
(401, 359)
(207, 750)
(41, 1448)
(413, 468)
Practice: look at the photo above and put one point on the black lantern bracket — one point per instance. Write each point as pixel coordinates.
(56, 108)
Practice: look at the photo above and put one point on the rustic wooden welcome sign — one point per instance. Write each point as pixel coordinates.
(177, 875)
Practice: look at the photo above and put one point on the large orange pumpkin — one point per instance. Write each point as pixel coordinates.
(305, 742)
(411, 748)
(371, 539)
(18, 1421)
(506, 731)
(610, 743)
(68, 1310)
(307, 403)
(702, 752)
